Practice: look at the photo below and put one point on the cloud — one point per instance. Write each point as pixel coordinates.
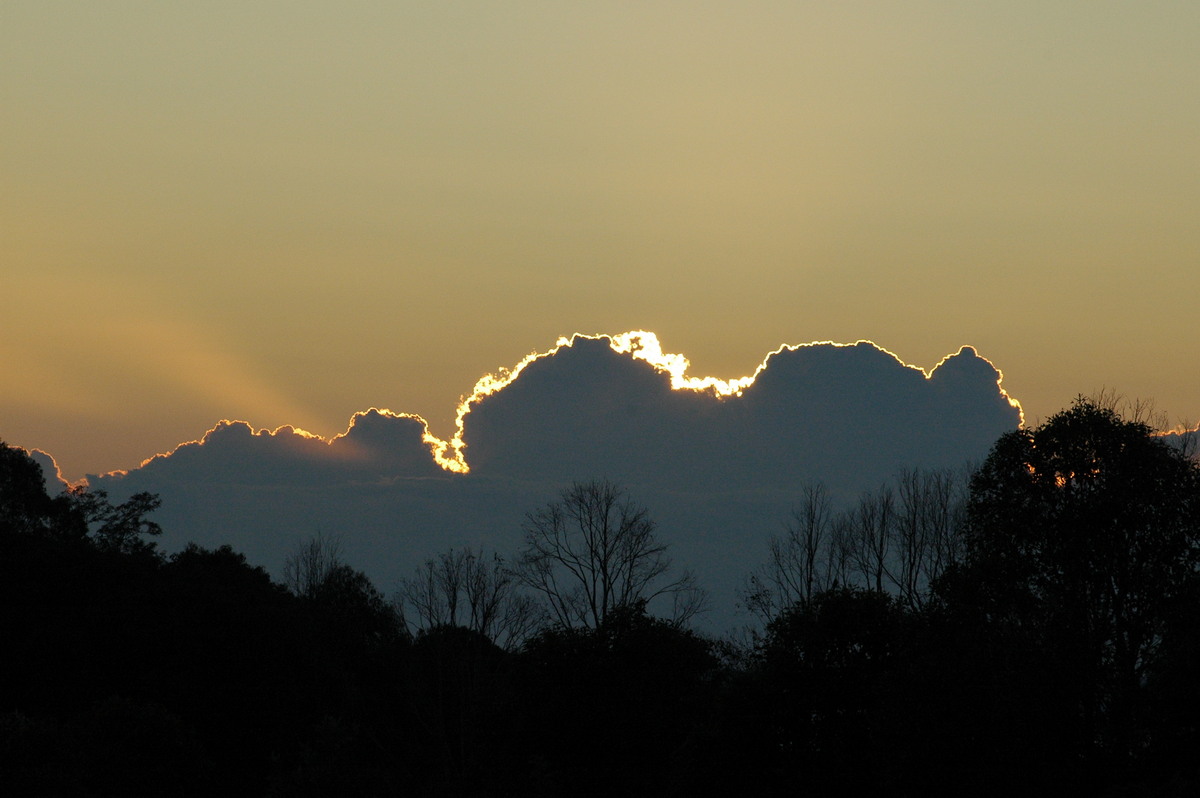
(852, 415)
(51, 474)
(717, 462)
(1186, 439)
(378, 445)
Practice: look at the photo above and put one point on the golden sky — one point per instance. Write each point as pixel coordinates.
(286, 212)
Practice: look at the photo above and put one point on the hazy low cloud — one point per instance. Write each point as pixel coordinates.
(718, 466)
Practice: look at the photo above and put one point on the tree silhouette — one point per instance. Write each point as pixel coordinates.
(464, 588)
(461, 711)
(926, 527)
(799, 561)
(899, 539)
(616, 709)
(594, 551)
(1087, 530)
(26, 507)
(311, 563)
(119, 527)
(353, 612)
(75, 513)
(833, 664)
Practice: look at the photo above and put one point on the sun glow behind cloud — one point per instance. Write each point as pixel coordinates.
(151, 352)
(188, 357)
(451, 456)
(641, 345)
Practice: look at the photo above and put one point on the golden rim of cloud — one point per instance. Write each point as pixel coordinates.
(643, 345)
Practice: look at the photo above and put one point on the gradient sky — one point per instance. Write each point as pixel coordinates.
(286, 212)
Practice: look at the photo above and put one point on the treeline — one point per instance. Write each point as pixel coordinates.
(1032, 630)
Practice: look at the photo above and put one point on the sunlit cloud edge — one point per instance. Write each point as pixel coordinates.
(451, 456)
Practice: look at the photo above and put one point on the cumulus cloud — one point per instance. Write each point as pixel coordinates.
(378, 445)
(51, 475)
(717, 462)
(852, 415)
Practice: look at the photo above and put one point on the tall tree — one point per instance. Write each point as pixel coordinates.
(77, 513)
(26, 507)
(1087, 531)
(924, 531)
(800, 561)
(594, 551)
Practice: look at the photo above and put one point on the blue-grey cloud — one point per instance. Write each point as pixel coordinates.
(51, 475)
(378, 445)
(851, 415)
(717, 463)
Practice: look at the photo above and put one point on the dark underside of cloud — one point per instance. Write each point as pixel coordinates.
(718, 473)
(850, 415)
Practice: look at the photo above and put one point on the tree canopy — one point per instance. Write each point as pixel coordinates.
(1086, 533)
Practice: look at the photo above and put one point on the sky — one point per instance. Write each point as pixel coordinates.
(289, 212)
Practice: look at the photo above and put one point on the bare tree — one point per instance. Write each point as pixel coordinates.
(799, 561)
(1184, 435)
(947, 517)
(872, 521)
(896, 539)
(464, 588)
(924, 532)
(910, 540)
(841, 551)
(593, 551)
(310, 564)
(808, 537)
(904, 537)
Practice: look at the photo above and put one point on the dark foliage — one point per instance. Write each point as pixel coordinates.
(1046, 646)
(1084, 546)
(615, 710)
